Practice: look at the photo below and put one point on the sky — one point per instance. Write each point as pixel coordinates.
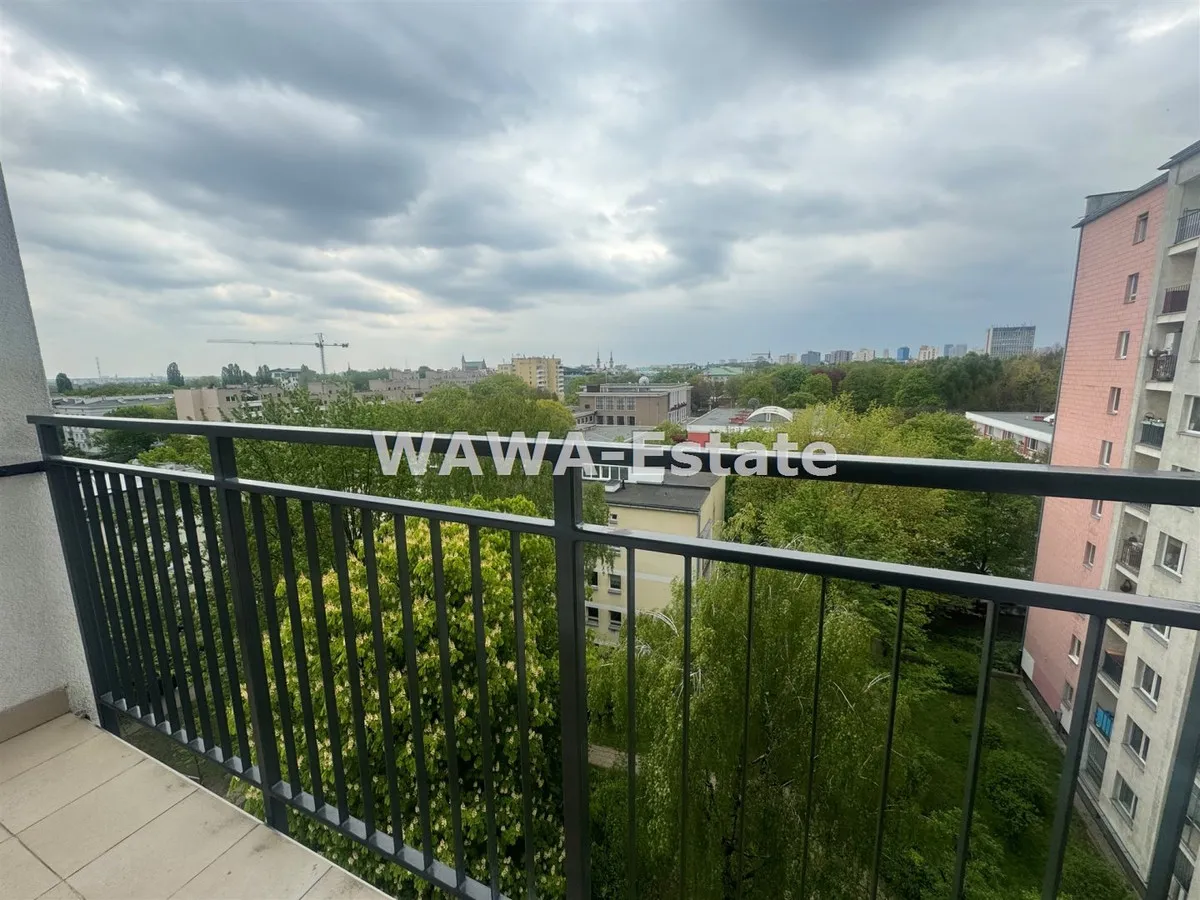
(663, 181)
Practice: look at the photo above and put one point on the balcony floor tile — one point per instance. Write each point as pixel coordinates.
(22, 875)
(68, 840)
(338, 884)
(32, 748)
(259, 865)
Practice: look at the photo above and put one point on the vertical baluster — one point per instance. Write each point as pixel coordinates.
(211, 538)
(108, 606)
(814, 738)
(523, 715)
(382, 676)
(975, 753)
(687, 719)
(283, 696)
(743, 759)
(897, 647)
(188, 513)
(135, 668)
(332, 717)
(412, 679)
(485, 714)
(443, 626)
(631, 722)
(288, 563)
(196, 680)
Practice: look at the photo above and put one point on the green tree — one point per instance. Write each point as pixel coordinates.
(62, 383)
(232, 374)
(541, 663)
(174, 376)
(125, 446)
(869, 384)
(263, 375)
(915, 390)
(306, 376)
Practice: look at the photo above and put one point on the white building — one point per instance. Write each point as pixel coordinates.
(926, 353)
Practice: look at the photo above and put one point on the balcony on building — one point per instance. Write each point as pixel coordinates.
(1188, 226)
(1162, 366)
(1175, 300)
(147, 672)
(1151, 433)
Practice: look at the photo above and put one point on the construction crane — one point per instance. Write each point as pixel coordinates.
(320, 343)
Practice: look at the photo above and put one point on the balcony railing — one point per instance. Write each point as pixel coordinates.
(1189, 225)
(1113, 666)
(1175, 299)
(1131, 554)
(206, 614)
(1153, 432)
(1163, 367)
(1103, 720)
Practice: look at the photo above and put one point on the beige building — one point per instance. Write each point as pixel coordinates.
(690, 506)
(539, 372)
(207, 404)
(637, 404)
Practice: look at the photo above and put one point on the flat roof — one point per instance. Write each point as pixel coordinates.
(680, 493)
(727, 415)
(1017, 421)
(1121, 199)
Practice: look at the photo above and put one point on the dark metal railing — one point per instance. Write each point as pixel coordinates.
(1131, 554)
(199, 625)
(1113, 666)
(1163, 368)
(1189, 225)
(1153, 433)
(1175, 299)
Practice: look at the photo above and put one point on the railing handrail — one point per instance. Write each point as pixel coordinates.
(1038, 479)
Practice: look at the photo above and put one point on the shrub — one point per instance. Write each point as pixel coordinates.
(959, 669)
(1088, 875)
(993, 735)
(1015, 784)
(1006, 657)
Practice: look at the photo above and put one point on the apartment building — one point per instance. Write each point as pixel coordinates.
(539, 372)
(1006, 341)
(864, 355)
(650, 500)
(902, 354)
(637, 404)
(839, 356)
(1031, 433)
(413, 384)
(207, 404)
(926, 353)
(786, 359)
(84, 439)
(1129, 397)
(810, 358)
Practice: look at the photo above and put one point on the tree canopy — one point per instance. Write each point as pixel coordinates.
(62, 383)
(174, 376)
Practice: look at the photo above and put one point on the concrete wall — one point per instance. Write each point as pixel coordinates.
(40, 648)
(1107, 256)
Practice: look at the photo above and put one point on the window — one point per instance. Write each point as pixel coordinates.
(612, 518)
(594, 579)
(1068, 694)
(614, 621)
(631, 422)
(620, 420)
(1097, 508)
(1149, 682)
(610, 420)
(614, 584)
(1193, 420)
(1123, 345)
(1163, 631)
(1105, 452)
(1076, 649)
(1139, 228)
(1131, 286)
(1171, 551)
(1089, 554)
(1114, 400)
(1136, 739)
(593, 616)
(1124, 796)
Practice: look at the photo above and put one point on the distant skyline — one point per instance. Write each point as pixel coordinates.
(684, 181)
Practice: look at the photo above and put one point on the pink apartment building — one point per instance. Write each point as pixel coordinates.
(1118, 239)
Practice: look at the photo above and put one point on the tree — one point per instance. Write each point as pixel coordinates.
(174, 376)
(852, 719)
(915, 390)
(869, 384)
(263, 375)
(541, 664)
(62, 383)
(232, 374)
(125, 446)
(306, 376)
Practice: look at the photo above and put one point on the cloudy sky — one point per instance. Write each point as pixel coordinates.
(687, 181)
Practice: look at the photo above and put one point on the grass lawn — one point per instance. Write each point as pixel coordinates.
(944, 721)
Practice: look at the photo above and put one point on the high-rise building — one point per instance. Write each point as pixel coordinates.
(864, 355)
(926, 353)
(902, 354)
(1129, 398)
(959, 350)
(947, 350)
(539, 372)
(1006, 341)
(839, 356)
(810, 358)
(885, 353)
(786, 359)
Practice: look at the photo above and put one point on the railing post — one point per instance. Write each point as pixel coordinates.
(568, 561)
(245, 609)
(1178, 794)
(72, 535)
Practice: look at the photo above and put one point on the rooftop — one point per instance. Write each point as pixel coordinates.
(85, 814)
(1034, 423)
(682, 493)
(727, 416)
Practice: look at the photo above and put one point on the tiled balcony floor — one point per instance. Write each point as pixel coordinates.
(84, 814)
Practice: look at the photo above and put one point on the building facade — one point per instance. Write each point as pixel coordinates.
(926, 353)
(1031, 433)
(902, 354)
(84, 439)
(839, 356)
(543, 373)
(207, 404)
(1129, 398)
(786, 359)
(810, 358)
(1007, 341)
(637, 404)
